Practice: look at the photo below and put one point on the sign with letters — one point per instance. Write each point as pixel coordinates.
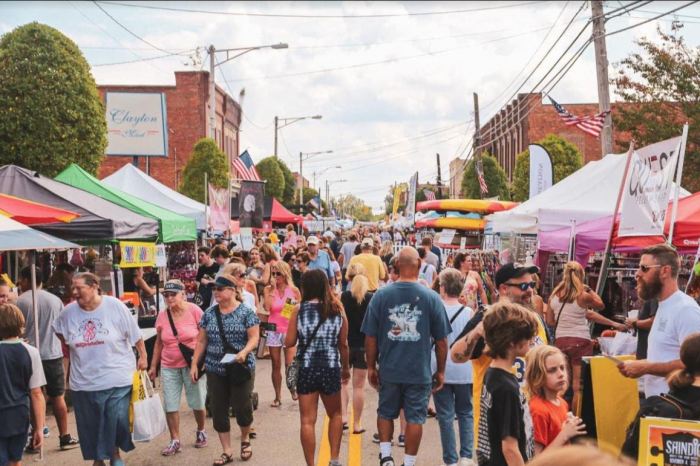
(137, 254)
(668, 442)
(540, 170)
(136, 124)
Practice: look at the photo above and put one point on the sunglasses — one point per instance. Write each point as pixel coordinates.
(523, 286)
(169, 295)
(646, 268)
(275, 274)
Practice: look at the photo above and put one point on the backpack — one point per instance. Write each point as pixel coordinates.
(664, 405)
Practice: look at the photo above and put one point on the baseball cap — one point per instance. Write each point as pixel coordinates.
(172, 286)
(312, 240)
(513, 270)
(368, 242)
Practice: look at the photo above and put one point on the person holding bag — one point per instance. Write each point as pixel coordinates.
(571, 306)
(228, 336)
(177, 330)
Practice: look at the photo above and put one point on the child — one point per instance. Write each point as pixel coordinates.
(21, 378)
(505, 426)
(547, 380)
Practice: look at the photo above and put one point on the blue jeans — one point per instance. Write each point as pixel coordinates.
(455, 399)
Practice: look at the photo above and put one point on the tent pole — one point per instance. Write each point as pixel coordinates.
(35, 312)
(206, 208)
(679, 178)
(608, 247)
(692, 270)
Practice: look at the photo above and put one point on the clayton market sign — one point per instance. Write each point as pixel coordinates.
(136, 124)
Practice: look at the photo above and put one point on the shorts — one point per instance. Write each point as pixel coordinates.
(357, 358)
(325, 380)
(413, 398)
(11, 448)
(173, 380)
(55, 377)
(275, 339)
(575, 348)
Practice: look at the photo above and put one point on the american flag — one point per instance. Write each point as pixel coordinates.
(480, 175)
(592, 124)
(246, 168)
(429, 195)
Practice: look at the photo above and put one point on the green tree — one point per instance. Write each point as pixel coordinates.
(662, 82)
(206, 158)
(270, 171)
(289, 184)
(352, 205)
(52, 114)
(494, 175)
(566, 159)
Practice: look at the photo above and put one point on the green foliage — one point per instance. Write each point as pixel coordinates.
(206, 158)
(566, 159)
(494, 175)
(289, 184)
(270, 171)
(662, 81)
(52, 114)
(354, 206)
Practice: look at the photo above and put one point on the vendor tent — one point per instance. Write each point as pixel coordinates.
(173, 227)
(15, 236)
(587, 194)
(135, 182)
(32, 213)
(273, 211)
(99, 220)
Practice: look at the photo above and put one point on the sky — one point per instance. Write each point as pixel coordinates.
(393, 81)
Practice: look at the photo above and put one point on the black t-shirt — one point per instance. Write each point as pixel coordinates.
(355, 314)
(648, 310)
(504, 413)
(206, 290)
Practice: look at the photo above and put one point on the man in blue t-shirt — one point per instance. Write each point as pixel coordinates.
(402, 321)
(319, 260)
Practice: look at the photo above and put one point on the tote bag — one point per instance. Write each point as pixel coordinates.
(149, 417)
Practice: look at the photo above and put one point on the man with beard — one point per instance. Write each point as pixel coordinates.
(677, 316)
(514, 283)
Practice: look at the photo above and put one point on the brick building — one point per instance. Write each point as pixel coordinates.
(187, 117)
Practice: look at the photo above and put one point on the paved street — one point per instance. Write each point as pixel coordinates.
(277, 443)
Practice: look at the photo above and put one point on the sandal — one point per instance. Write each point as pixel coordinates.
(246, 451)
(224, 459)
(358, 432)
(276, 404)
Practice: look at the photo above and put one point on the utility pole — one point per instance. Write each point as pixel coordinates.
(212, 92)
(601, 62)
(439, 176)
(477, 136)
(276, 121)
(301, 184)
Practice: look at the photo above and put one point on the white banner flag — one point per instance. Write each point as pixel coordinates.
(648, 187)
(540, 170)
(411, 203)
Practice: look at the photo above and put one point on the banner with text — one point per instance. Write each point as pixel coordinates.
(668, 441)
(250, 204)
(411, 202)
(137, 254)
(219, 210)
(397, 199)
(648, 187)
(540, 170)
(136, 124)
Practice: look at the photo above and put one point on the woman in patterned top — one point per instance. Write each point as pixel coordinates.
(323, 360)
(229, 384)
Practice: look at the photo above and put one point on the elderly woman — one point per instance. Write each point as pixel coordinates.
(100, 333)
(179, 324)
(228, 336)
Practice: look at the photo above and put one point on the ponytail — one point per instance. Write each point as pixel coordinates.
(680, 379)
(690, 357)
(571, 285)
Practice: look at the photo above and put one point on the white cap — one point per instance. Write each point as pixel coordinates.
(368, 242)
(312, 240)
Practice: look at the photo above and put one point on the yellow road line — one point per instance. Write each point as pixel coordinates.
(324, 449)
(354, 443)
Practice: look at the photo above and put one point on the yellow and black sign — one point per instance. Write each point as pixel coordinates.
(669, 442)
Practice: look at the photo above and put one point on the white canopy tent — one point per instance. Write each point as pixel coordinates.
(135, 182)
(587, 194)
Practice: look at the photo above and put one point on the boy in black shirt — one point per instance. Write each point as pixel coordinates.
(505, 426)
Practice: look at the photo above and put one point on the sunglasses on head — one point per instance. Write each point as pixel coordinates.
(646, 268)
(523, 286)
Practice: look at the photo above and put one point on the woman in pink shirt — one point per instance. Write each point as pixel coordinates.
(174, 369)
(277, 294)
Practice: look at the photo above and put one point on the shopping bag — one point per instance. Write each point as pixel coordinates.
(137, 393)
(623, 343)
(149, 417)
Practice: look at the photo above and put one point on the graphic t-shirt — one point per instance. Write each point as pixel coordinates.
(504, 413)
(100, 344)
(20, 372)
(187, 327)
(236, 325)
(403, 317)
(547, 418)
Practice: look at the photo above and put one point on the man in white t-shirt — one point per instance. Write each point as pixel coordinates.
(677, 317)
(427, 271)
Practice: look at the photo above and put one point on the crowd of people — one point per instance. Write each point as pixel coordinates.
(334, 312)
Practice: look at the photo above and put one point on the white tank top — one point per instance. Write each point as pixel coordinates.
(572, 322)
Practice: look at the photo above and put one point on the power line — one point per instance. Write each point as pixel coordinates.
(651, 19)
(96, 65)
(308, 16)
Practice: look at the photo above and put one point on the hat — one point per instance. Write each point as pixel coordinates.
(368, 242)
(221, 281)
(329, 234)
(312, 240)
(513, 270)
(172, 286)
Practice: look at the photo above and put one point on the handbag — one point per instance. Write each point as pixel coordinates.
(237, 373)
(187, 352)
(149, 417)
(292, 372)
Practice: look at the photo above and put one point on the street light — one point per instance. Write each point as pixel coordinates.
(324, 171)
(328, 184)
(308, 155)
(288, 121)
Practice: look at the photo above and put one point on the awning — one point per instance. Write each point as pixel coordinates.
(173, 227)
(15, 236)
(32, 213)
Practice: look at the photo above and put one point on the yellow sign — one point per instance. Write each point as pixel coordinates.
(137, 254)
(397, 198)
(667, 442)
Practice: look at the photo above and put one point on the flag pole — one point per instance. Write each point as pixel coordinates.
(679, 178)
(206, 207)
(608, 247)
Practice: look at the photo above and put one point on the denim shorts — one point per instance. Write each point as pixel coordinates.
(413, 398)
(173, 380)
(11, 448)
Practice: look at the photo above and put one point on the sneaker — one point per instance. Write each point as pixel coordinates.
(68, 442)
(387, 461)
(466, 462)
(201, 441)
(47, 433)
(402, 440)
(375, 439)
(172, 448)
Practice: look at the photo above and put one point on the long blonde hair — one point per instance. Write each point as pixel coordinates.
(387, 248)
(359, 285)
(283, 268)
(571, 285)
(536, 368)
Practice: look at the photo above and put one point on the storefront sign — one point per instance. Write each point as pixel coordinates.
(137, 254)
(669, 442)
(136, 124)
